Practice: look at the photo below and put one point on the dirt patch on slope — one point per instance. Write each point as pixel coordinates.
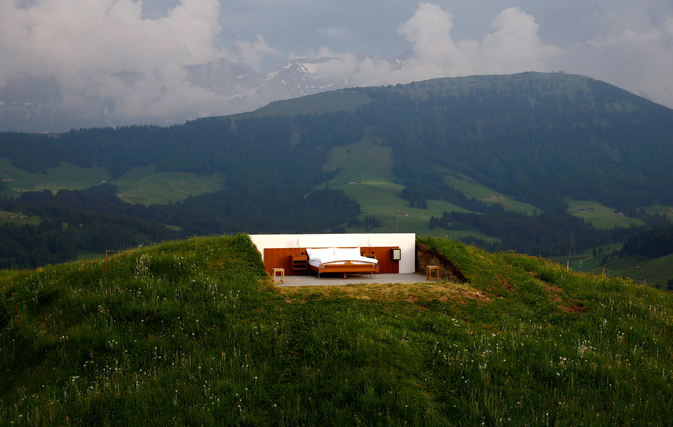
(559, 296)
(425, 256)
(409, 292)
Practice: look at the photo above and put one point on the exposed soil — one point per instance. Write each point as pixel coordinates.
(558, 295)
(413, 293)
(447, 269)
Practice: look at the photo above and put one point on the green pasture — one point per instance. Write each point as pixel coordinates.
(602, 217)
(138, 185)
(656, 271)
(371, 184)
(659, 209)
(66, 176)
(146, 186)
(7, 217)
(472, 188)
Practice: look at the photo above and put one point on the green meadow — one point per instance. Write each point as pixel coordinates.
(195, 333)
(138, 185)
(373, 186)
(602, 217)
(146, 186)
(471, 188)
(64, 177)
(659, 209)
(16, 218)
(655, 271)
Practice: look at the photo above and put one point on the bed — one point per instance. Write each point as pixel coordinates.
(341, 261)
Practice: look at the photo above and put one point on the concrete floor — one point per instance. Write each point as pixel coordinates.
(331, 280)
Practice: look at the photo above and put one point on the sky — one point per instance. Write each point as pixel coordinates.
(134, 52)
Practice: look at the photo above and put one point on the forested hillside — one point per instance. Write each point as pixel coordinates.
(539, 138)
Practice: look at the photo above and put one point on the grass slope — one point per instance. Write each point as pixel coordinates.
(326, 102)
(655, 271)
(15, 218)
(138, 185)
(146, 186)
(659, 209)
(193, 333)
(471, 188)
(602, 217)
(64, 177)
(370, 165)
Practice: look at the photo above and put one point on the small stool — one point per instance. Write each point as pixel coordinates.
(276, 273)
(432, 272)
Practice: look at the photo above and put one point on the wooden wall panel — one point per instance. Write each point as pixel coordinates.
(385, 256)
(282, 258)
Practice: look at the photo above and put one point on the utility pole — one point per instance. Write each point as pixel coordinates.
(572, 252)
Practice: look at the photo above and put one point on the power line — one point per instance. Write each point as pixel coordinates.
(572, 252)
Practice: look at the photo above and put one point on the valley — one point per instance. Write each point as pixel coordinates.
(600, 216)
(504, 162)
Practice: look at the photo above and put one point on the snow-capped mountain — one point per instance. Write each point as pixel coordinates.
(28, 105)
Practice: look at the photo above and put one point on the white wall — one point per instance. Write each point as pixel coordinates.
(406, 242)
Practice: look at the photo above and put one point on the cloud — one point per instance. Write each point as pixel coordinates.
(253, 53)
(513, 46)
(631, 49)
(336, 32)
(91, 47)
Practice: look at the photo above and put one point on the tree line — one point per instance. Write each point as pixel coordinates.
(96, 220)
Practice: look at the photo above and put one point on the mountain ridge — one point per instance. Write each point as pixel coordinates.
(28, 104)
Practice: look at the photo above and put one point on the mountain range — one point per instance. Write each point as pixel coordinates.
(32, 105)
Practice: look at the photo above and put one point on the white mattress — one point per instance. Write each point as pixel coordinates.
(337, 256)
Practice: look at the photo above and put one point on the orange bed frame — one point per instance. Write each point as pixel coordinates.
(348, 267)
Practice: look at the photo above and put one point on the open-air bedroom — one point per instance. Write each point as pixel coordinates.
(340, 259)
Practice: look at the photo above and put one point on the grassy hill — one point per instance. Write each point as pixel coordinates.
(600, 216)
(194, 333)
(655, 271)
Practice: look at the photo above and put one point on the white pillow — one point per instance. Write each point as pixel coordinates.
(347, 253)
(320, 253)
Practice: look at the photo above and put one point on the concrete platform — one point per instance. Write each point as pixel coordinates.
(327, 280)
